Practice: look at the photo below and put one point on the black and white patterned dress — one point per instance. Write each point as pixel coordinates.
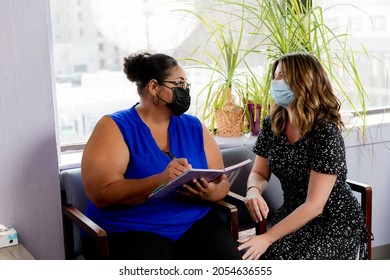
(338, 232)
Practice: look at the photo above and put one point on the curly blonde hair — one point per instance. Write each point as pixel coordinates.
(315, 103)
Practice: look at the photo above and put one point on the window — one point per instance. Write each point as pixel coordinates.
(379, 23)
(81, 33)
(367, 24)
(355, 24)
(92, 37)
(101, 47)
(80, 68)
(102, 64)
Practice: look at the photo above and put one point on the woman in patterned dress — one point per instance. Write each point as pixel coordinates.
(302, 145)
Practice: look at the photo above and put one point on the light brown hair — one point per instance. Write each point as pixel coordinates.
(315, 102)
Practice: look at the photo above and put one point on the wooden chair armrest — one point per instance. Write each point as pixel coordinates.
(230, 211)
(237, 197)
(365, 191)
(91, 228)
(366, 196)
(359, 187)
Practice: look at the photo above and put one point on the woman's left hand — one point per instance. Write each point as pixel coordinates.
(201, 188)
(255, 246)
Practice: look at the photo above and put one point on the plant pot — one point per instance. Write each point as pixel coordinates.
(229, 117)
(229, 121)
(254, 114)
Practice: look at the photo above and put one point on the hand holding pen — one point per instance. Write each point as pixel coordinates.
(198, 188)
(176, 167)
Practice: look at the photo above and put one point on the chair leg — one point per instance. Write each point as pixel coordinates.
(68, 239)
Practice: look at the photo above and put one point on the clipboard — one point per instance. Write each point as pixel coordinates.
(191, 174)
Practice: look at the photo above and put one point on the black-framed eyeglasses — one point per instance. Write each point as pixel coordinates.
(181, 84)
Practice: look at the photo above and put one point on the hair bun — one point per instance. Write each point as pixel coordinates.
(134, 64)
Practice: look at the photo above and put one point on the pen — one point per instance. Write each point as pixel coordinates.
(169, 154)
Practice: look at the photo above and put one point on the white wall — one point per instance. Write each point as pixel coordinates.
(29, 184)
(368, 159)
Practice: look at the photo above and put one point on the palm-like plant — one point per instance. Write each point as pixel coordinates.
(287, 26)
(257, 97)
(264, 30)
(224, 56)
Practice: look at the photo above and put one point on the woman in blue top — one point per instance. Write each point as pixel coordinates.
(132, 152)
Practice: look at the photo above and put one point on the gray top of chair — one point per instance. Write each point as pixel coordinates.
(72, 183)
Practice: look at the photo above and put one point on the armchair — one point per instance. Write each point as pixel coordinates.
(74, 204)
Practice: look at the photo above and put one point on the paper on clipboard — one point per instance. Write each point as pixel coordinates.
(208, 174)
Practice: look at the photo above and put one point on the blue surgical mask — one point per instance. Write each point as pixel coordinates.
(281, 93)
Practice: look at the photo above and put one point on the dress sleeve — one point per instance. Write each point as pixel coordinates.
(328, 154)
(264, 140)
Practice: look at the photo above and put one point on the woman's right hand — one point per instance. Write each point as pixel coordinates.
(257, 207)
(174, 169)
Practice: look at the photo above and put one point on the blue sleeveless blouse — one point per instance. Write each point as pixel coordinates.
(171, 216)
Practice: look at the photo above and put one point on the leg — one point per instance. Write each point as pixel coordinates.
(207, 239)
(134, 246)
(319, 248)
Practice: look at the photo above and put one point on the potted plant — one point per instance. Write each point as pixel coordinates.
(257, 99)
(286, 26)
(222, 99)
(264, 30)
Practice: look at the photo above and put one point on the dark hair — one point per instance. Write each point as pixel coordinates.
(143, 67)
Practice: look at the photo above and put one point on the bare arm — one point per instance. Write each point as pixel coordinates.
(260, 174)
(319, 189)
(257, 183)
(104, 164)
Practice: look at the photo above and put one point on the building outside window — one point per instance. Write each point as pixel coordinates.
(89, 78)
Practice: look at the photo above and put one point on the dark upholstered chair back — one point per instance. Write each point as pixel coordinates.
(73, 193)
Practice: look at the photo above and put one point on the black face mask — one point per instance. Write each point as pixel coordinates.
(181, 101)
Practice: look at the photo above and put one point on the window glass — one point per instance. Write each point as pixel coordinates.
(368, 22)
(91, 38)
